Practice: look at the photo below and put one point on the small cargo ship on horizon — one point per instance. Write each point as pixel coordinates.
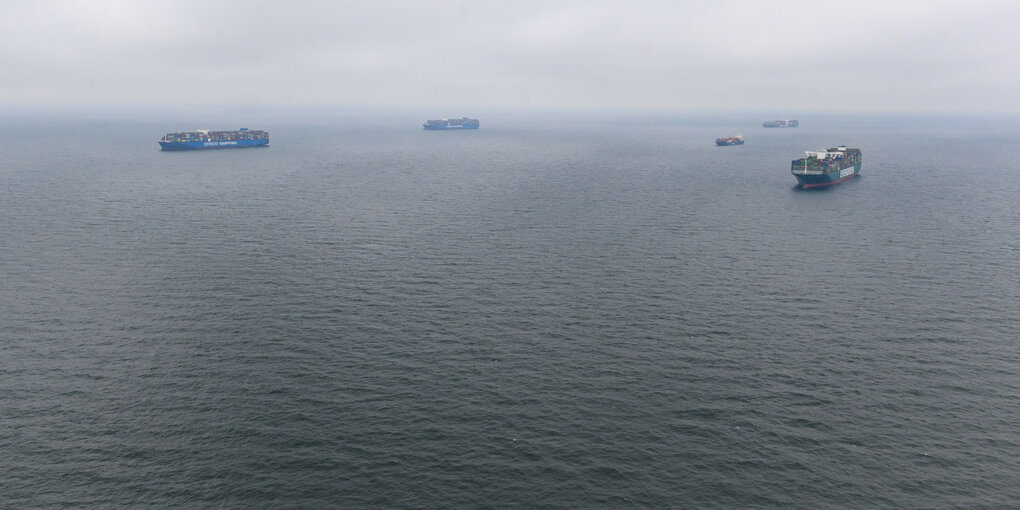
(730, 140)
(781, 123)
(826, 167)
(206, 139)
(441, 124)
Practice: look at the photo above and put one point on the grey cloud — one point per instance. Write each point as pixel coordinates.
(654, 55)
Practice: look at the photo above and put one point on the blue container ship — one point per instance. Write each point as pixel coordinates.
(826, 167)
(206, 139)
(441, 124)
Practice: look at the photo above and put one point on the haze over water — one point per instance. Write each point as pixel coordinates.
(572, 313)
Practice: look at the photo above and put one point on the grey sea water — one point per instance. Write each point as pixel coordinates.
(578, 313)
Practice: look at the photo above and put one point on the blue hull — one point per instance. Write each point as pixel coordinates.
(228, 144)
(444, 128)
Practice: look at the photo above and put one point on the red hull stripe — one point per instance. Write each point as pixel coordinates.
(820, 184)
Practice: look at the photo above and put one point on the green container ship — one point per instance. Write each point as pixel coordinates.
(826, 167)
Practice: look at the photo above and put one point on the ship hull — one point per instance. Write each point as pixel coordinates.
(724, 143)
(226, 144)
(445, 128)
(827, 179)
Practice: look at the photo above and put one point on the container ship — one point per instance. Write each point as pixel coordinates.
(781, 123)
(461, 123)
(730, 140)
(826, 167)
(206, 139)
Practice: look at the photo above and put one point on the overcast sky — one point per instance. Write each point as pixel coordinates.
(868, 56)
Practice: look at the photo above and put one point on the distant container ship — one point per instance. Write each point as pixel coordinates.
(781, 123)
(206, 139)
(461, 123)
(730, 140)
(826, 167)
